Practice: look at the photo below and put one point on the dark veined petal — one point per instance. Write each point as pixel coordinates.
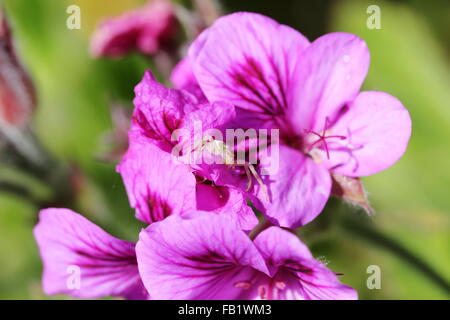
(157, 184)
(82, 260)
(329, 74)
(296, 275)
(247, 59)
(203, 256)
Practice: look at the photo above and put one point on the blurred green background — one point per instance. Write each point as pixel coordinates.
(408, 237)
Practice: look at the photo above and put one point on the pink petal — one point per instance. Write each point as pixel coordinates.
(329, 74)
(210, 117)
(158, 185)
(70, 245)
(298, 189)
(160, 110)
(247, 59)
(202, 257)
(278, 246)
(228, 202)
(378, 129)
(296, 275)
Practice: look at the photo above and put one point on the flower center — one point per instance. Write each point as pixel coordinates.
(321, 138)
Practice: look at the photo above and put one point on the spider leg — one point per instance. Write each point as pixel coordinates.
(260, 182)
(249, 177)
(197, 149)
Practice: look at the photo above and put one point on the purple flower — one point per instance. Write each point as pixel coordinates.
(204, 256)
(82, 260)
(157, 182)
(146, 29)
(310, 92)
(197, 256)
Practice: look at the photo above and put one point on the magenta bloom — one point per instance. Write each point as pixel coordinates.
(206, 257)
(310, 92)
(145, 29)
(82, 260)
(197, 256)
(157, 183)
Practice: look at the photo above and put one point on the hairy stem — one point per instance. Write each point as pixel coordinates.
(262, 225)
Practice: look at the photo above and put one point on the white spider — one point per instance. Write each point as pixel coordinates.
(219, 148)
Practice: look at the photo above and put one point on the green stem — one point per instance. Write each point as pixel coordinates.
(262, 225)
(17, 190)
(368, 232)
(27, 154)
(26, 144)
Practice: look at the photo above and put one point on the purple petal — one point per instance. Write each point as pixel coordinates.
(160, 110)
(203, 257)
(228, 202)
(158, 185)
(72, 246)
(209, 118)
(298, 189)
(329, 74)
(247, 59)
(377, 129)
(296, 275)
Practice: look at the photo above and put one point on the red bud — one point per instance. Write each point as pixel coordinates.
(17, 94)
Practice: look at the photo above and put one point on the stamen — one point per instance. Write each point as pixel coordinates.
(219, 148)
(281, 285)
(262, 292)
(249, 178)
(260, 182)
(322, 137)
(243, 284)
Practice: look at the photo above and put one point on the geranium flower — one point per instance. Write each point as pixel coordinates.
(145, 29)
(310, 92)
(82, 260)
(157, 182)
(205, 257)
(198, 256)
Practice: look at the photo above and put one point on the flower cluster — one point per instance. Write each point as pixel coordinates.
(203, 241)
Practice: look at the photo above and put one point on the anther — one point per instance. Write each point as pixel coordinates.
(262, 292)
(280, 285)
(243, 284)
